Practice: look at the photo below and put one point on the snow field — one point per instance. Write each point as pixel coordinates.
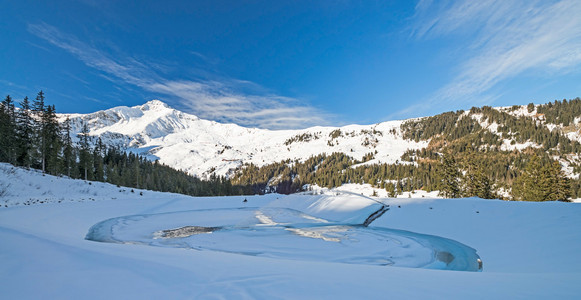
(529, 250)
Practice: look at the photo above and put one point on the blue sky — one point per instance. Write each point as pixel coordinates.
(291, 64)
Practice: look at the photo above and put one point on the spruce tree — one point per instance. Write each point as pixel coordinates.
(69, 158)
(24, 134)
(560, 185)
(476, 181)
(98, 153)
(7, 130)
(450, 187)
(39, 110)
(530, 107)
(85, 161)
(52, 142)
(390, 188)
(4, 125)
(541, 182)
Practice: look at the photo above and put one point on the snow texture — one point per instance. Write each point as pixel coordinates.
(529, 250)
(201, 147)
(185, 142)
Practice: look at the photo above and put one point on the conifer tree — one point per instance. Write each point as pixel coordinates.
(98, 153)
(24, 134)
(85, 162)
(135, 171)
(541, 182)
(450, 187)
(530, 107)
(4, 129)
(52, 140)
(69, 158)
(39, 110)
(7, 130)
(476, 182)
(560, 184)
(390, 188)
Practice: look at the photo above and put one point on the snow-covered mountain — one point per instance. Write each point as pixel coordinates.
(200, 147)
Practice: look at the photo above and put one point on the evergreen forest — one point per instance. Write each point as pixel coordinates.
(462, 159)
(32, 137)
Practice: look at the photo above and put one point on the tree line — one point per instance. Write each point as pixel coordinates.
(31, 137)
(469, 176)
(463, 159)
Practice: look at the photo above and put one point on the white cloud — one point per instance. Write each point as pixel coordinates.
(218, 103)
(503, 39)
(207, 99)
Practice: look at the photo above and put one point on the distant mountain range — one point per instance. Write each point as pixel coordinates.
(496, 140)
(201, 147)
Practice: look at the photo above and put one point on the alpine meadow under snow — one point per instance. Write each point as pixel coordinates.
(68, 239)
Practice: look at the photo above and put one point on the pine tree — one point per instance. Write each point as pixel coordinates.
(532, 184)
(69, 157)
(399, 187)
(484, 187)
(560, 185)
(390, 188)
(530, 107)
(53, 141)
(476, 182)
(85, 161)
(39, 110)
(541, 182)
(135, 171)
(24, 134)
(7, 130)
(98, 153)
(450, 187)
(4, 132)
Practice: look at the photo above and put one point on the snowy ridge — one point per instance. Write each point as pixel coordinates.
(200, 147)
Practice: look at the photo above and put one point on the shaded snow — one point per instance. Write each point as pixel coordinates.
(530, 250)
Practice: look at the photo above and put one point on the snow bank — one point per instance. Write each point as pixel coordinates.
(530, 250)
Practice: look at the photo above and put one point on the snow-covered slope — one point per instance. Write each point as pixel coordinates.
(529, 250)
(185, 142)
(573, 131)
(203, 147)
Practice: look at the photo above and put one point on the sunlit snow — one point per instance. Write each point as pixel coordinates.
(275, 246)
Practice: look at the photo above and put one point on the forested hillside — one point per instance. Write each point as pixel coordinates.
(484, 152)
(520, 152)
(31, 137)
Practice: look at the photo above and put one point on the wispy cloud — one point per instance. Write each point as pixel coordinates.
(503, 39)
(215, 100)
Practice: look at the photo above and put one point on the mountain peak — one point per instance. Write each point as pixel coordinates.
(153, 105)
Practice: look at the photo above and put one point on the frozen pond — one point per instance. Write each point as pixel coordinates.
(284, 233)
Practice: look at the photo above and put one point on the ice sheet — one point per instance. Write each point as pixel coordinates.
(287, 234)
